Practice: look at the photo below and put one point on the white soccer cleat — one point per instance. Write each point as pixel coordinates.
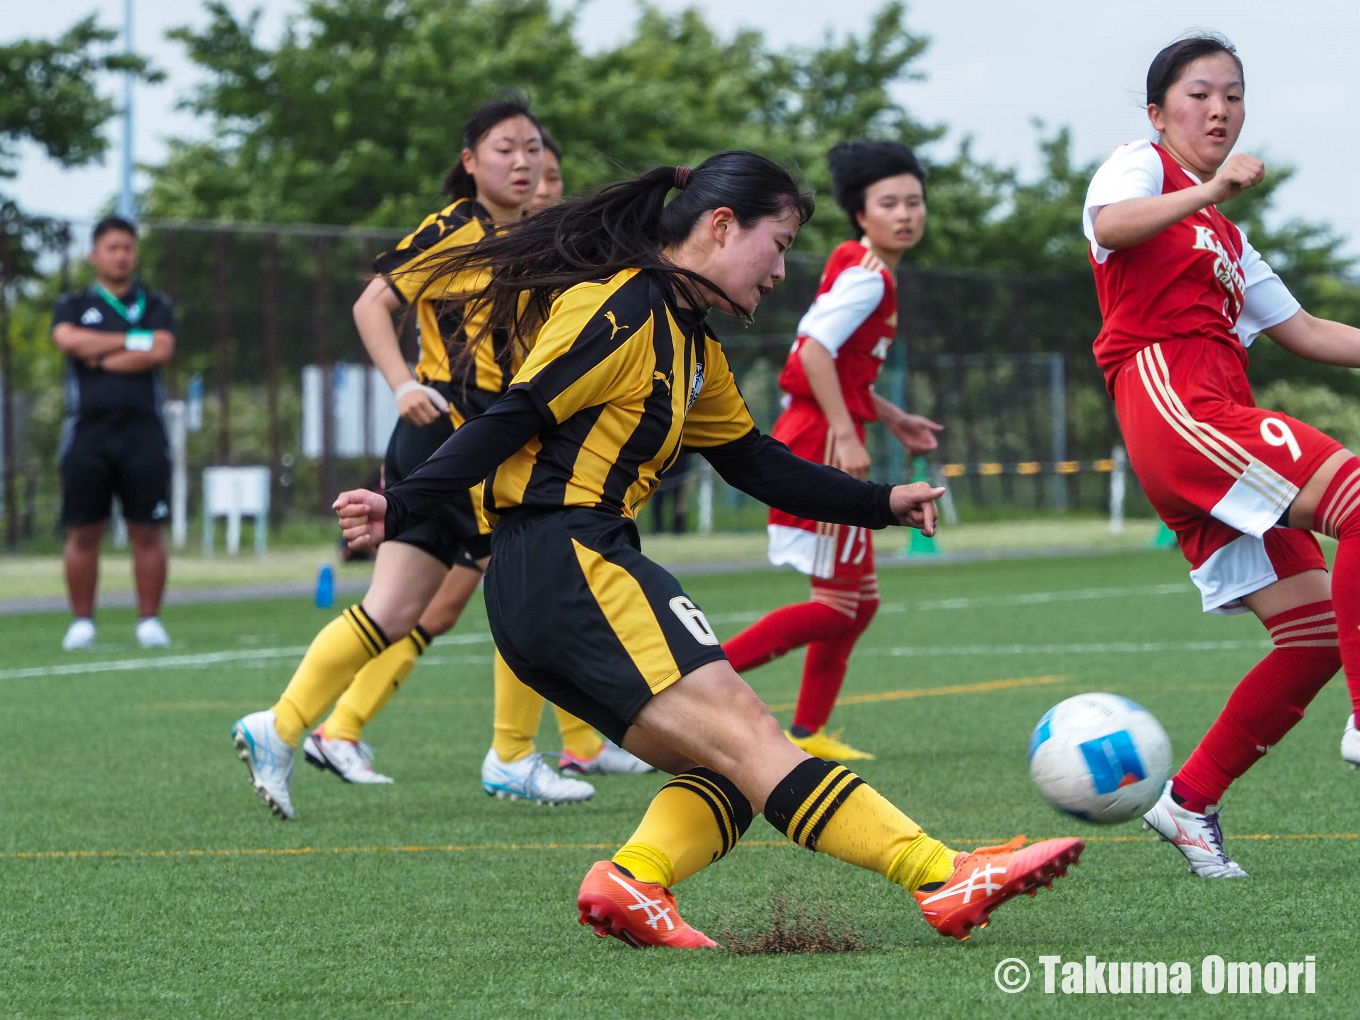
(151, 633)
(268, 758)
(351, 761)
(612, 760)
(79, 636)
(530, 778)
(1350, 743)
(1197, 837)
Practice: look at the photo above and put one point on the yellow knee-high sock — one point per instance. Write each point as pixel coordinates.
(342, 648)
(515, 715)
(694, 820)
(823, 806)
(578, 737)
(374, 687)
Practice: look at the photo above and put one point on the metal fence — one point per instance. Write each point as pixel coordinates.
(1003, 361)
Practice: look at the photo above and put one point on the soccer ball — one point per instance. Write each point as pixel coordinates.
(1100, 757)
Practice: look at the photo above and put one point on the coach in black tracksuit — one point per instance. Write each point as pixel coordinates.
(115, 334)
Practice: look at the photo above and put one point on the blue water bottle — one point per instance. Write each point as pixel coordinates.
(325, 587)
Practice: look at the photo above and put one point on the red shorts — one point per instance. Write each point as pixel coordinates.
(836, 552)
(1220, 471)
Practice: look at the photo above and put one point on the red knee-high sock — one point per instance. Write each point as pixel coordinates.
(790, 627)
(824, 671)
(1337, 515)
(1265, 705)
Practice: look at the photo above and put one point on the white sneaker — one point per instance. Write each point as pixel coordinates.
(612, 760)
(79, 636)
(350, 760)
(1350, 742)
(1197, 837)
(268, 758)
(530, 778)
(151, 633)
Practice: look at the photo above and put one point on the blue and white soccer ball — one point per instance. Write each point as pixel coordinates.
(1100, 757)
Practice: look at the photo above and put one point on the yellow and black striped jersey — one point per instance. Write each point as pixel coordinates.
(620, 379)
(443, 320)
(626, 375)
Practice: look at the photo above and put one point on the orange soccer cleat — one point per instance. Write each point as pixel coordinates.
(991, 875)
(639, 913)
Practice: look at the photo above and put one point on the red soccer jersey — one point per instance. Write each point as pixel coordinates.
(1197, 279)
(854, 317)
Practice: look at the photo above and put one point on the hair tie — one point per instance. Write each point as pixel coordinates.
(682, 177)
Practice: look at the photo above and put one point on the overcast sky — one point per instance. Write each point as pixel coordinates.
(992, 66)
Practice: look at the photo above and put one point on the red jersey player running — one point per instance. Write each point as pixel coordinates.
(1183, 294)
(829, 378)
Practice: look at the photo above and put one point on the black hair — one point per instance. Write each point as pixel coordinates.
(458, 183)
(857, 165)
(550, 143)
(625, 225)
(1169, 64)
(110, 223)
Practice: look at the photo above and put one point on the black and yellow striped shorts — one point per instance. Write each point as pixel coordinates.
(582, 617)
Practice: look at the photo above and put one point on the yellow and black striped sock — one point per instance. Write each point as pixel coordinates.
(694, 820)
(374, 687)
(823, 806)
(578, 736)
(515, 714)
(344, 646)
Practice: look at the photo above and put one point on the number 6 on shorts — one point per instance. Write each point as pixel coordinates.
(694, 620)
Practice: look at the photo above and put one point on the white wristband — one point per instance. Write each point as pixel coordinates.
(431, 394)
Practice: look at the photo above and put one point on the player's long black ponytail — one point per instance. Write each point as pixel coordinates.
(620, 226)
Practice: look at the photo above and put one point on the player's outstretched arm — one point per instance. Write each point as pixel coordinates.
(1134, 220)
(1307, 336)
(766, 469)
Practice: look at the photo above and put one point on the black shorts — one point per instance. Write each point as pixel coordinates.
(457, 531)
(582, 617)
(122, 454)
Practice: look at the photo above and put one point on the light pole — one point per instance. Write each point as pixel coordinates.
(125, 209)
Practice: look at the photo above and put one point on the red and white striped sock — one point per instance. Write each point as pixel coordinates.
(1265, 706)
(1338, 515)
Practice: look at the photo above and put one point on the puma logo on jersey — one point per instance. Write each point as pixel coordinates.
(615, 323)
(92, 317)
(880, 350)
(662, 377)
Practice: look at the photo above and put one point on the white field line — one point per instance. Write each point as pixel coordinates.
(248, 658)
(1034, 598)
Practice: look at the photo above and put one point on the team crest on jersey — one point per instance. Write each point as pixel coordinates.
(92, 317)
(696, 386)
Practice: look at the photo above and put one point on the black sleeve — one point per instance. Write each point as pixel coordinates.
(467, 457)
(768, 470)
(65, 311)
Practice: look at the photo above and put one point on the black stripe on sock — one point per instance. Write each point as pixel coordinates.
(790, 792)
(811, 839)
(720, 815)
(800, 832)
(740, 807)
(356, 624)
(420, 637)
(383, 642)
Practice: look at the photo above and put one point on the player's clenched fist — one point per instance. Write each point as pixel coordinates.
(914, 505)
(1238, 173)
(362, 517)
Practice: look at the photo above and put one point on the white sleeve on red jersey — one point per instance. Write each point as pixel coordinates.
(1267, 301)
(1134, 171)
(835, 315)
